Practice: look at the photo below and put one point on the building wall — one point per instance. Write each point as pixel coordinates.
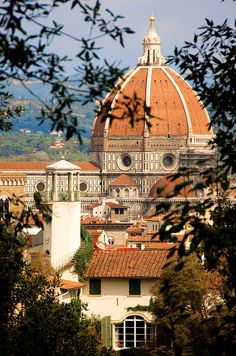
(62, 235)
(115, 299)
(11, 186)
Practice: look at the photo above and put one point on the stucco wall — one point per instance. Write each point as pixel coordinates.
(115, 299)
(62, 235)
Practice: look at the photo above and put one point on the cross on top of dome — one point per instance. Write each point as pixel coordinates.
(152, 47)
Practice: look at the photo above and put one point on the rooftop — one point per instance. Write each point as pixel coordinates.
(124, 180)
(62, 165)
(127, 264)
(67, 284)
(40, 166)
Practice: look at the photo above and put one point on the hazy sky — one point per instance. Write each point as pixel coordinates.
(176, 21)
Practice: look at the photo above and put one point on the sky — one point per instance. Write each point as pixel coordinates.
(176, 22)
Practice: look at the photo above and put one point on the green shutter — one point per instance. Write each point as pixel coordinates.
(106, 334)
(95, 286)
(134, 287)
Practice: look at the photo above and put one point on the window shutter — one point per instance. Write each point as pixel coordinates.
(134, 287)
(95, 286)
(106, 328)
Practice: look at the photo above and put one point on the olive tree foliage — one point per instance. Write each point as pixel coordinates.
(185, 307)
(26, 56)
(209, 63)
(33, 322)
(8, 112)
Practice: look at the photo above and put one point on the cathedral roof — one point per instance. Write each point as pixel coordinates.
(88, 166)
(175, 107)
(22, 166)
(40, 166)
(176, 110)
(123, 180)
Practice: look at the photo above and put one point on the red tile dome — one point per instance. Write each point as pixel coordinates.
(165, 188)
(175, 108)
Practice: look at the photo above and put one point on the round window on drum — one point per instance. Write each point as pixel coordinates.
(83, 187)
(169, 161)
(124, 161)
(40, 187)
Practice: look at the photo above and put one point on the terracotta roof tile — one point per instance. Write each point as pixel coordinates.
(23, 166)
(170, 95)
(67, 284)
(92, 220)
(139, 238)
(161, 246)
(88, 166)
(199, 117)
(134, 229)
(38, 166)
(124, 180)
(166, 106)
(113, 247)
(127, 264)
(115, 205)
(92, 206)
(165, 187)
(121, 126)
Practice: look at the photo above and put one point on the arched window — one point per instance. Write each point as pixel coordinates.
(117, 191)
(110, 240)
(134, 331)
(126, 191)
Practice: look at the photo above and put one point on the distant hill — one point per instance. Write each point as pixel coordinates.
(33, 142)
(30, 118)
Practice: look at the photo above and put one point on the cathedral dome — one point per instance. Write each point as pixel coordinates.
(175, 109)
(172, 134)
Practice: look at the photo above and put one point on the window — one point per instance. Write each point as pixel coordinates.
(83, 187)
(119, 211)
(126, 191)
(133, 332)
(117, 191)
(95, 286)
(134, 286)
(110, 240)
(124, 161)
(169, 161)
(40, 186)
(4, 208)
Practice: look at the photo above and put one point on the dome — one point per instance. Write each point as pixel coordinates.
(165, 187)
(175, 109)
(172, 134)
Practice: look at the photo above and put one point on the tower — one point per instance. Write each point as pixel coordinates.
(62, 234)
